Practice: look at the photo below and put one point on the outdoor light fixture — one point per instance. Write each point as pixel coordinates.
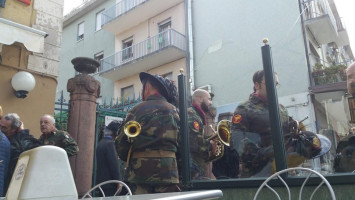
(23, 82)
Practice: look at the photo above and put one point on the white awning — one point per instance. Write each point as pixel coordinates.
(11, 32)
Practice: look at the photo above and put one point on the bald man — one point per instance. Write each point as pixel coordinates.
(350, 73)
(52, 136)
(201, 149)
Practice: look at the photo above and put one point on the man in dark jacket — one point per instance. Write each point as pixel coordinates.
(4, 158)
(20, 140)
(107, 160)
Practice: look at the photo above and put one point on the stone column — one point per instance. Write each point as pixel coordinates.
(84, 90)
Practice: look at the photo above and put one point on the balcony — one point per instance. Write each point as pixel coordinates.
(331, 78)
(158, 50)
(129, 13)
(320, 20)
(343, 38)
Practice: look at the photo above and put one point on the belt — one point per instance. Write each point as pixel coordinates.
(154, 154)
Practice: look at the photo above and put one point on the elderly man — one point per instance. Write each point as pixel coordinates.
(52, 136)
(107, 159)
(20, 140)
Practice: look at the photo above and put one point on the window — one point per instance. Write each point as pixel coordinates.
(99, 20)
(127, 51)
(99, 56)
(164, 33)
(127, 94)
(168, 75)
(80, 31)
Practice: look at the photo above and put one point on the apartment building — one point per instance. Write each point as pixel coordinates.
(83, 36)
(149, 36)
(304, 36)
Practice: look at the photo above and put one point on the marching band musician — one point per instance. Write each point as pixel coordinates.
(251, 135)
(200, 148)
(151, 156)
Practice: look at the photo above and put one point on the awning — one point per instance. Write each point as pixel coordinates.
(11, 32)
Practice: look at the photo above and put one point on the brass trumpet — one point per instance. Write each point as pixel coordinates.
(132, 129)
(223, 134)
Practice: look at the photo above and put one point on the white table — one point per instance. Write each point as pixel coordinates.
(191, 195)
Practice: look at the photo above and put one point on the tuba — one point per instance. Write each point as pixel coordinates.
(223, 135)
(132, 129)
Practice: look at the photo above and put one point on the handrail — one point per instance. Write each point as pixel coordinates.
(119, 9)
(151, 45)
(318, 8)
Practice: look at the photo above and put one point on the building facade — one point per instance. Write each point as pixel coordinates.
(83, 36)
(30, 39)
(150, 37)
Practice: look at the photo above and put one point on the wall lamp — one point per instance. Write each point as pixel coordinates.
(23, 82)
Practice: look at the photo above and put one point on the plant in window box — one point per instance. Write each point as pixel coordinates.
(318, 74)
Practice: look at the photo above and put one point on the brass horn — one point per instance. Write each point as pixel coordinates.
(132, 129)
(223, 134)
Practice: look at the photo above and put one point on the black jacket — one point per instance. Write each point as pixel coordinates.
(20, 142)
(107, 162)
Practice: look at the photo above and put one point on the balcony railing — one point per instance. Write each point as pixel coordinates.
(119, 9)
(319, 8)
(168, 38)
(329, 75)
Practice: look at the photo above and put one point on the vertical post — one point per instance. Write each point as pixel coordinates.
(95, 145)
(273, 104)
(184, 139)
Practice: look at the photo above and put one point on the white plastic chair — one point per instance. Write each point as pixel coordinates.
(308, 171)
(104, 183)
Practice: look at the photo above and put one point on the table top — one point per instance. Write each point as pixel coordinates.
(191, 195)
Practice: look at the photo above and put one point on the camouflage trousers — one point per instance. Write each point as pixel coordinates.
(152, 188)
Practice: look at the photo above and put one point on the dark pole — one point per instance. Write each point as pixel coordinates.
(273, 104)
(184, 139)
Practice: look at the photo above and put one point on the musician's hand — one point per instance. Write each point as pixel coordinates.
(214, 145)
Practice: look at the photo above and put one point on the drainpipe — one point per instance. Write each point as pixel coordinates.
(306, 45)
(189, 47)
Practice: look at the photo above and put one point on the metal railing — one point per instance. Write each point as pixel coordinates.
(318, 8)
(119, 9)
(168, 38)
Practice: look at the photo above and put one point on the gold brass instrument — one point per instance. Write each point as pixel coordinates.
(223, 135)
(132, 129)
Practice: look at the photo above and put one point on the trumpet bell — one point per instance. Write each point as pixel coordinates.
(132, 129)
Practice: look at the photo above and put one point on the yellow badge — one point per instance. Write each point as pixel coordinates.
(316, 143)
(196, 125)
(237, 119)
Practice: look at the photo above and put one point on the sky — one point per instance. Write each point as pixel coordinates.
(346, 10)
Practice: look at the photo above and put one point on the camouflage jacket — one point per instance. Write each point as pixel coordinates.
(159, 122)
(60, 139)
(251, 136)
(199, 145)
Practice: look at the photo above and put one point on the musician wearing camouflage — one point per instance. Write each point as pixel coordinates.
(252, 138)
(151, 156)
(200, 148)
(52, 136)
(250, 131)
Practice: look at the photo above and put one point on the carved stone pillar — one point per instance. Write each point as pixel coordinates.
(84, 90)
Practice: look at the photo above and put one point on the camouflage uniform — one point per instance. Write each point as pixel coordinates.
(152, 165)
(199, 146)
(60, 139)
(251, 137)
